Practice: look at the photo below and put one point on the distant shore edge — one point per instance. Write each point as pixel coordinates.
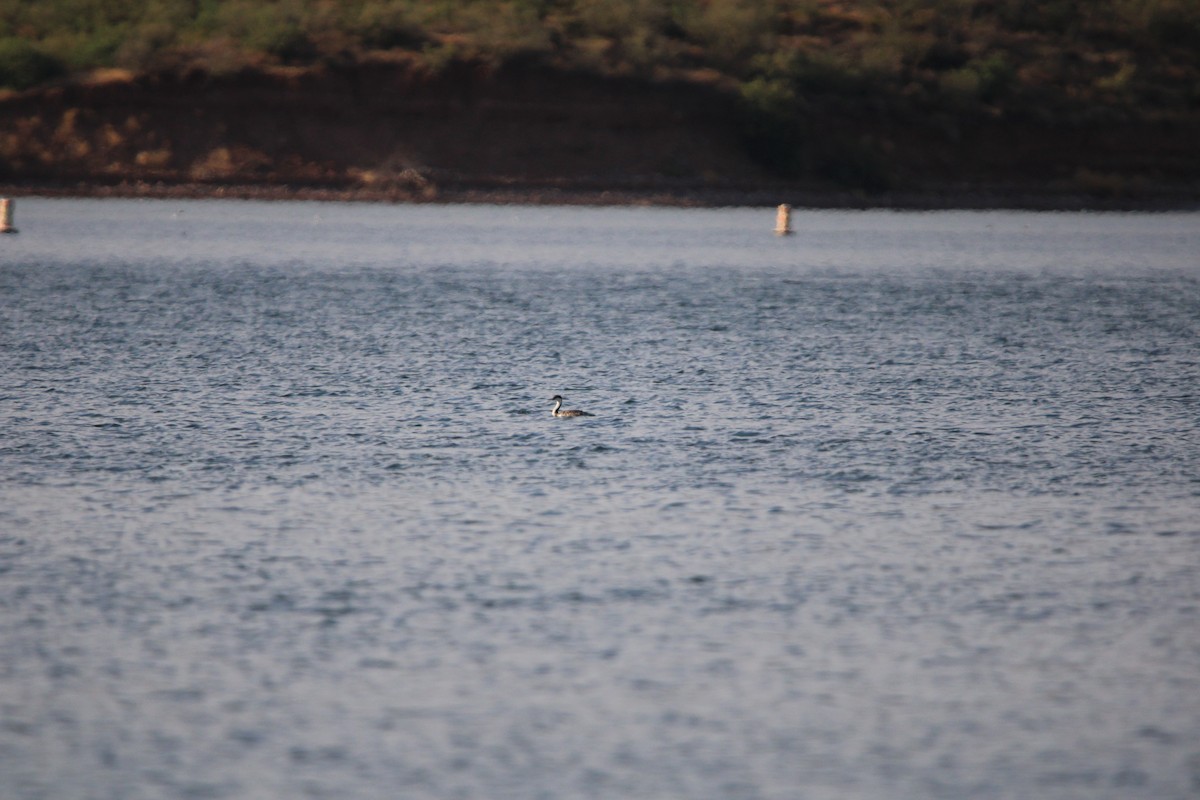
(959, 198)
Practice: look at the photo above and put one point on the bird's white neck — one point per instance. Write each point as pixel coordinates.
(557, 406)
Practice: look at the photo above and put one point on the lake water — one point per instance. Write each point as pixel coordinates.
(906, 505)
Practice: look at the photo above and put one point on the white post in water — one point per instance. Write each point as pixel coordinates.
(783, 220)
(6, 212)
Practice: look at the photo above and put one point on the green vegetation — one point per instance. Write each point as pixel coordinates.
(973, 51)
(23, 65)
(966, 52)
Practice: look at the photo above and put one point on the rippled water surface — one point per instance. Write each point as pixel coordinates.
(902, 506)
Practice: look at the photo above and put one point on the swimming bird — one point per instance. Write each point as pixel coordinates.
(570, 412)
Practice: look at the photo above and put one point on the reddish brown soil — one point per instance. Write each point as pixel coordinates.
(392, 131)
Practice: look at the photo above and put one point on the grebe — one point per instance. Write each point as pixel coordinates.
(570, 412)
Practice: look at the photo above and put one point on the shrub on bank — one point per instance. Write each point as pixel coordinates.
(23, 64)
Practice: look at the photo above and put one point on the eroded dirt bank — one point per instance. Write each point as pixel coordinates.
(391, 131)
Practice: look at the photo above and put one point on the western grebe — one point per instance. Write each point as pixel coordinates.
(558, 410)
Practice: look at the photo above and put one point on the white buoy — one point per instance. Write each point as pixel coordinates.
(783, 220)
(6, 216)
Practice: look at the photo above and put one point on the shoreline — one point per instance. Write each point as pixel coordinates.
(574, 194)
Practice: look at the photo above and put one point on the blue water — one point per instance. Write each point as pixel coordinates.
(902, 506)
